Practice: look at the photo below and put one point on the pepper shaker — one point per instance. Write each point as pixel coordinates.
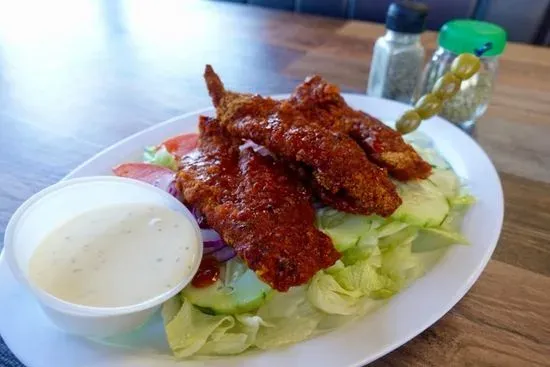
(398, 56)
(488, 42)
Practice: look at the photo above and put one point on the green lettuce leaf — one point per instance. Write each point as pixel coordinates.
(189, 330)
(160, 156)
(288, 318)
(384, 234)
(336, 267)
(170, 309)
(430, 239)
(235, 340)
(365, 305)
(459, 208)
(445, 181)
(401, 266)
(282, 305)
(404, 236)
(362, 277)
(390, 227)
(355, 254)
(463, 201)
(327, 295)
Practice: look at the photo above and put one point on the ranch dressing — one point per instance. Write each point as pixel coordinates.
(115, 256)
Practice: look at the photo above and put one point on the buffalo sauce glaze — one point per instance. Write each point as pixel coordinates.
(208, 273)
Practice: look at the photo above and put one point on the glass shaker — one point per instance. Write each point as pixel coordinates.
(485, 40)
(398, 56)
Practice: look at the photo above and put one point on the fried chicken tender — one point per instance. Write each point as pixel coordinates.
(321, 101)
(338, 165)
(257, 206)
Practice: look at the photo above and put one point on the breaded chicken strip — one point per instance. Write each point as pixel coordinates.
(321, 101)
(338, 165)
(257, 206)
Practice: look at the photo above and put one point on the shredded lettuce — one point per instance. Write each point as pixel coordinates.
(282, 305)
(325, 293)
(357, 253)
(289, 318)
(362, 277)
(160, 156)
(190, 329)
(459, 207)
(404, 236)
(463, 201)
(401, 267)
(430, 239)
(338, 265)
(391, 228)
(446, 181)
(234, 340)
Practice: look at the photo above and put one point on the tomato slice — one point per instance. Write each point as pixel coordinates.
(153, 174)
(181, 144)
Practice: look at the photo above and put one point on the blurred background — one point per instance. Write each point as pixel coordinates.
(525, 20)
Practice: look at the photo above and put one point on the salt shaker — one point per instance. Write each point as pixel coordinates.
(398, 56)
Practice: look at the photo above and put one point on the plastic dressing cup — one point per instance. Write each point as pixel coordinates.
(56, 205)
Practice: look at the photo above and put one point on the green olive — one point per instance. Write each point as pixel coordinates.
(446, 86)
(465, 66)
(428, 106)
(408, 122)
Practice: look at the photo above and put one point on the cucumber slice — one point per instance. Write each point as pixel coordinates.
(349, 230)
(241, 294)
(424, 205)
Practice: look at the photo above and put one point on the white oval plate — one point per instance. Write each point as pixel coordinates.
(37, 343)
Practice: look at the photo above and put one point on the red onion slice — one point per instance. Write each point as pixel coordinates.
(213, 246)
(224, 254)
(261, 150)
(173, 190)
(201, 219)
(209, 235)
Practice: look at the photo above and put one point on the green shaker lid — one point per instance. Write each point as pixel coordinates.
(465, 35)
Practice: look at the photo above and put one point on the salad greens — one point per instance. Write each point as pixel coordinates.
(160, 156)
(380, 257)
(190, 331)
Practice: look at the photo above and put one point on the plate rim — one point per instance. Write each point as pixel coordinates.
(442, 311)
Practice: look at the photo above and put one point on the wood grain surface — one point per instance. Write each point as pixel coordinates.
(77, 76)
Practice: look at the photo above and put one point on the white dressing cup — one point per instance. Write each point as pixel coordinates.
(57, 204)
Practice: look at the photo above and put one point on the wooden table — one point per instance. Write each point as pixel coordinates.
(77, 76)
